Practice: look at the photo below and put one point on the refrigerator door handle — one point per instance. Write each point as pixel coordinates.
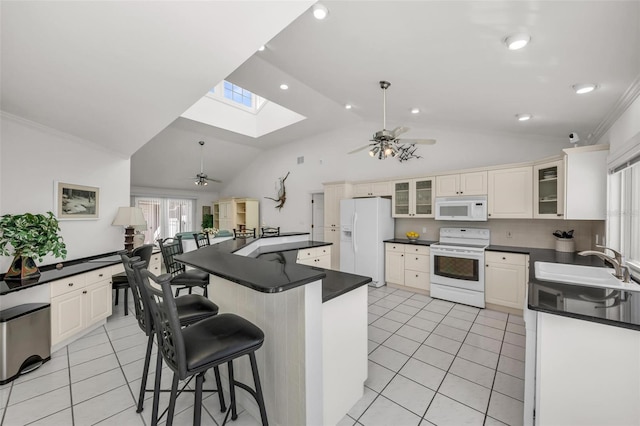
(354, 233)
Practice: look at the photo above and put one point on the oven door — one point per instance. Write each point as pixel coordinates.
(457, 268)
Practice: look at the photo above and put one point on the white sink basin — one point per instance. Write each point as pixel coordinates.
(590, 276)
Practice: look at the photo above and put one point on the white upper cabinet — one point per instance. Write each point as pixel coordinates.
(586, 182)
(413, 198)
(474, 183)
(511, 193)
(373, 189)
(548, 190)
(333, 193)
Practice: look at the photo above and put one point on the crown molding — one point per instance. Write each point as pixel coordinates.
(623, 103)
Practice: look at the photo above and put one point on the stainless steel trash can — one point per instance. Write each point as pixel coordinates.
(25, 339)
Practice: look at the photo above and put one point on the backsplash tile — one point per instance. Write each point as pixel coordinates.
(536, 233)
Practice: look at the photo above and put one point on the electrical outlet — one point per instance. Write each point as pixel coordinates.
(509, 234)
(424, 229)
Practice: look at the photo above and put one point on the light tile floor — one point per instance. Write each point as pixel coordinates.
(430, 362)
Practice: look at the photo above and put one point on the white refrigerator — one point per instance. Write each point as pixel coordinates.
(364, 224)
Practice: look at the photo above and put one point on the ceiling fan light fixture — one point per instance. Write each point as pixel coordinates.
(320, 11)
(517, 41)
(415, 110)
(524, 117)
(583, 88)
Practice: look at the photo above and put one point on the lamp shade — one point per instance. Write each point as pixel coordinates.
(129, 216)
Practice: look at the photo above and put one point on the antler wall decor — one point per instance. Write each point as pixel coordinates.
(282, 194)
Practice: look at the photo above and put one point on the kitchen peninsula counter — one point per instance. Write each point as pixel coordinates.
(605, 306)
(313, 363)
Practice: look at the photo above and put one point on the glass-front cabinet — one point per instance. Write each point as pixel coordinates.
(548, 190)
(413, 198)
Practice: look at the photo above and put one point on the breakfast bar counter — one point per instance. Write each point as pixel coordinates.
(313, 363)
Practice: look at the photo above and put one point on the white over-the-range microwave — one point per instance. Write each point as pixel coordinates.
(467, 208)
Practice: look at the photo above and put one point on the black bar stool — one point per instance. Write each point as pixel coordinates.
(171, 247)
(191, 309)
(244, 233)
(202, 240)
(120, 281)
(204, 345)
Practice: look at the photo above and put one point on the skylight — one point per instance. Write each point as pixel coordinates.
(231, 107)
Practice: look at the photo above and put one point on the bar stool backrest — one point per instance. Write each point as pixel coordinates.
(171, 247)
(143, 314)
(202, 240)
(166, 321)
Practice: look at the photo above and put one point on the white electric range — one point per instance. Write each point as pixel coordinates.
(457, 265)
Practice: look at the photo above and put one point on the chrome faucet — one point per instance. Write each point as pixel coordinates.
(621, 271)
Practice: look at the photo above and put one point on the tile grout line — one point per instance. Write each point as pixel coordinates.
(447, 372)
(411, 356)
(495, 369)
(125, 377)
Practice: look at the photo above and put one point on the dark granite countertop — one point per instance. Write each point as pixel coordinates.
(270, 269)
(407, 241)
(334, 284)
(605, 306)
(49, 273)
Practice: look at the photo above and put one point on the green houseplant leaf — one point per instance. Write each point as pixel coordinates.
(31, 235)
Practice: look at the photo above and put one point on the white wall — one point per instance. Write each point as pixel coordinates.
(32, 157)
(326, 160)
(202, 198)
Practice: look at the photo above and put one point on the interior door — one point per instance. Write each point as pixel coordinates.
(317, 217)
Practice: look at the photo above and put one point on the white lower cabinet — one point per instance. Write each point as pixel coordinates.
(315, 256)
(506, 279)
(78, 302)
(408, 265)
(332, 235)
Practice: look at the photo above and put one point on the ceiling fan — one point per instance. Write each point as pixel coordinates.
(201, 178)
(386, 143)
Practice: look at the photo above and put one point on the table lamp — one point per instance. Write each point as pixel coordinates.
(129, 217)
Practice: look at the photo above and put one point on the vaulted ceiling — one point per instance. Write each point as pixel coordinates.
(121, 73)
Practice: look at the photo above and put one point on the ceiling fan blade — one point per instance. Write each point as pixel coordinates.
(399, 130)
(417, 141)
(359, 149)
(213, 180)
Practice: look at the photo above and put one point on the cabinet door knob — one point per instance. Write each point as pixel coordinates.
(504, 258)
(100, 275)
(84, 292)
(560, 214)
(70, 284)
(402, 255)
(486, 265)
(416, 258)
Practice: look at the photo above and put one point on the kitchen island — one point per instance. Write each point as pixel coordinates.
(582, 348)
(313, 363)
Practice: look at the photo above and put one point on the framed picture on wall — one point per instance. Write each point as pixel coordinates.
(76, 201)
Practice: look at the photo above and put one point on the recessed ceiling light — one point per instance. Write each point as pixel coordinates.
(524, 117)
(348, 106)
(261, 48)
(320, 11)
(517, 41)
(284, 86)
(415, 110)
(584, 88)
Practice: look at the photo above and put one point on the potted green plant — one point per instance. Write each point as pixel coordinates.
(29, 236)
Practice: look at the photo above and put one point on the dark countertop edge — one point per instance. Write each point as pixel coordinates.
(413, 243)
(332, 295)
(223, 249)
(586, 318)
(545, 255)
(88, 262)
(284, 247)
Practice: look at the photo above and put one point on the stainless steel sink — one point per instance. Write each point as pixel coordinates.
(590, 276)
